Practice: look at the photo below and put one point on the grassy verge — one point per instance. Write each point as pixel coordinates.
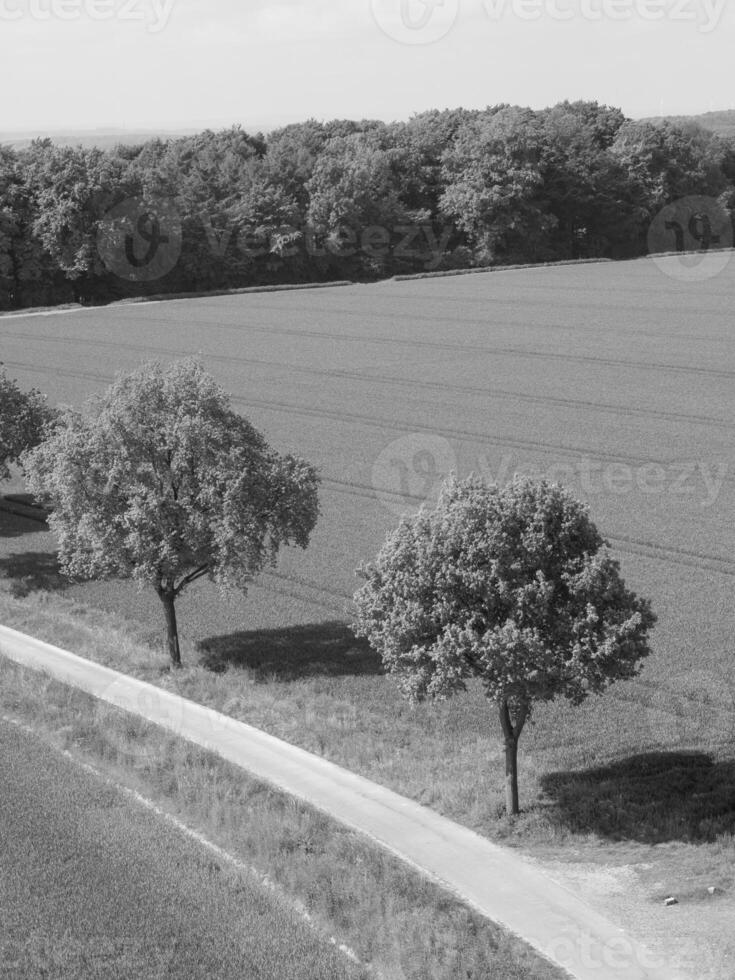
(394, 920)
(318, 687)
(235, 291)
(444, 273)
(627, 813)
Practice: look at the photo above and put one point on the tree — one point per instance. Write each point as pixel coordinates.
(74, 188)
(207, 176)
(603, 122)
(665, 163)
(584, 184)
(494, 186)
(27, 274)
(354, 188)
(158, 480)
(512, 586)
(24, 419)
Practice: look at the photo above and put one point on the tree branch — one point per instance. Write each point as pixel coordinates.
(188, 579)
(511, 730)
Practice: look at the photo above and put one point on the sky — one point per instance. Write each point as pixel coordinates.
(173, 64)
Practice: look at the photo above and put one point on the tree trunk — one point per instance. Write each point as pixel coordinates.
(511, 734)
(512, 807)
(168, 599)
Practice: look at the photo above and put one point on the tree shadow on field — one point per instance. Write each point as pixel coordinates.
(18, 517)
(32, 571)
(653, 798)
(313, 650)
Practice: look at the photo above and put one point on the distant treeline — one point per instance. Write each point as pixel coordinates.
(344, 200)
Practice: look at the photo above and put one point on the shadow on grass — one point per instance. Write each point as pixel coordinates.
(664, 796)
(14, 519)
(313, 650)
(30, 571)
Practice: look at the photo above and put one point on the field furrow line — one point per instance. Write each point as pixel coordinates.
(521, 352)
(308, 600)
(297, 580)
(398, 425)
(392, 380)
(406, 427)
(392, 424)
(648, 549)
(506, 310)
(674, 556)
(483, 349)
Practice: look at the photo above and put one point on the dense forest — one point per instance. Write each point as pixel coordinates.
(344, 200)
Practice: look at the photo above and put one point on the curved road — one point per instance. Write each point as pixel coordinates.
(494, 880)
(92, 885)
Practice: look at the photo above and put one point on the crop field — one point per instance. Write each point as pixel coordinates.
(616, 379)
(613, 379)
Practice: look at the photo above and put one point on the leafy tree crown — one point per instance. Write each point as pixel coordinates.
(25, 417)
(511, 585)
(160, 481)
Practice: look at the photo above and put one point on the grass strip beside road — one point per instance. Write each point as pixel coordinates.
(97, 883)
(661, 822)
(401, 924)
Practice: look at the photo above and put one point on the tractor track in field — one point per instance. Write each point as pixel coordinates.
(634, 546)
(508, 311)
(299, 581)
(626, 544)
(450, 432)
(522, 352)
(472, 348)
(391, 380)
(405, 427)
(271, 589)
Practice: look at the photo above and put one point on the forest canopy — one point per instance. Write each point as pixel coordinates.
(316, 201)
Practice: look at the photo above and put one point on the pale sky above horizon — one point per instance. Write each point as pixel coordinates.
(193, 63)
